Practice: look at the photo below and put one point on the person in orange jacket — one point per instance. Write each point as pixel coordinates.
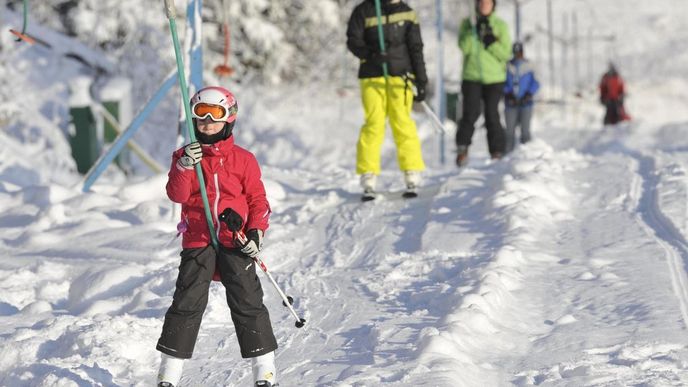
(612, 95)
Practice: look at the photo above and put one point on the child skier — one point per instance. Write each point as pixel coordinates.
(232, 180)
(519, 89)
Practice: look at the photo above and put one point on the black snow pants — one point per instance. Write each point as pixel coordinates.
(613, 115)
(473, 94)
(244, 298)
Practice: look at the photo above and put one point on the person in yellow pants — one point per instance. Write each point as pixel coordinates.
(391, 97)
(395, 102)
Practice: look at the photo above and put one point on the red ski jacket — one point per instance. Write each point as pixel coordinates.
(232, 179)
(611, 87)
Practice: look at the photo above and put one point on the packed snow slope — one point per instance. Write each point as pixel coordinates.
(563, 264)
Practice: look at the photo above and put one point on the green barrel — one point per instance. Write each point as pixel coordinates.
(84, 139)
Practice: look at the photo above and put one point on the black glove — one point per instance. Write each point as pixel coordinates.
(254, 243)
(192, 155)
(420, 93)
(488, 39)
(232, 219)
(378, 58)
(487, 36)
(510, 99)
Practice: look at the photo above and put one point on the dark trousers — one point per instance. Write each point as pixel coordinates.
(614, 113)
(517, 116)
(244, 298)
(475, 93)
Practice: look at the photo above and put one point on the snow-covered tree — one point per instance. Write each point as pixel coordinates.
(270, 39)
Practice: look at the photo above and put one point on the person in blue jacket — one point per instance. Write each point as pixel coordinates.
(519, 89)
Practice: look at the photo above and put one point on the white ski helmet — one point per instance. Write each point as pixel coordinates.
(215, 102)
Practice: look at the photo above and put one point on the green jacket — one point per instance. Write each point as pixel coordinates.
(482, 65)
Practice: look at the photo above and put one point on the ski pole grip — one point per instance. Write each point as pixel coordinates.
(170, 10)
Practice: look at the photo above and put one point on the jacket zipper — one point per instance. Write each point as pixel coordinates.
(517, 80)
(478, 50)
(217, 201)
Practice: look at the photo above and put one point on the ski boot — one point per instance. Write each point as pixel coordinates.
(462, 156)
(368, 181)
(264, 370)
(412, 180)
(368, 195)
(170, 370)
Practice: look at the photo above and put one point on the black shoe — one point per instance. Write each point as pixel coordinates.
(264, 383)
(462, 156)
(165, 384)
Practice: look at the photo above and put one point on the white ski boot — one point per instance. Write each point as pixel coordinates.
(412, 180)
(170, 371)
(368, 181)
(264, 371)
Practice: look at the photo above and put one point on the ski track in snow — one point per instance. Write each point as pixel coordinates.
(645, 195)
(635, 362)
(363, 338)
(665, 232)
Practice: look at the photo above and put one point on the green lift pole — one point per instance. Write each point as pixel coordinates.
(171, 12)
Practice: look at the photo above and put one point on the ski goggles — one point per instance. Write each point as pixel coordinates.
(216, 113)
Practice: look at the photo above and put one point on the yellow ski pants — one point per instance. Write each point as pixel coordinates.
(396, 103)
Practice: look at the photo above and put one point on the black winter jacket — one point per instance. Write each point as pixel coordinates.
(403, 42)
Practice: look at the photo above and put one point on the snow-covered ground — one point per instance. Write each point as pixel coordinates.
(563, 264)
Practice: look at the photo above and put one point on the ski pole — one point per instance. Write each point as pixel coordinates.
(435, 120)
(171, 13)
(381, 38)
(438, 125)
(286, 300)
(234, 223)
